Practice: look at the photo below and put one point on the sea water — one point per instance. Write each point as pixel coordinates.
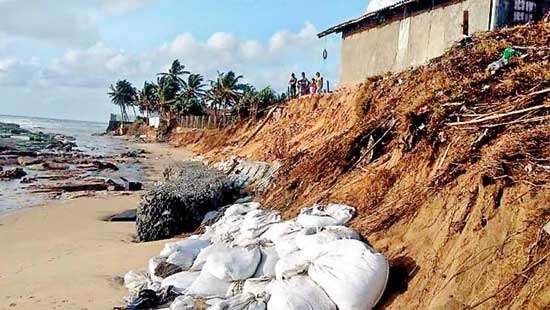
(13, 194)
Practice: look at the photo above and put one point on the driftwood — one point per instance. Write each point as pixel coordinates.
(497, 116)
(268, 116)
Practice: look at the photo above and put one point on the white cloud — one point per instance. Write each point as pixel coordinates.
(375, 5)
(65, 21)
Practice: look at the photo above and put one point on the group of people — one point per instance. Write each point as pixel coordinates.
(305, 86)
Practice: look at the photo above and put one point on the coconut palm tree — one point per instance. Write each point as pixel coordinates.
(225, 91)
(175, 72)
(194, 86)
(124, 94)
(148, 98)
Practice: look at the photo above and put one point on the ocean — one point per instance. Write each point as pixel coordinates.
(13, 195)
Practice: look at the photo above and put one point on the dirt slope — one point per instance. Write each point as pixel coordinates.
(448, 165)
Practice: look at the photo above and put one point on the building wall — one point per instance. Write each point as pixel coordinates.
(409, 42)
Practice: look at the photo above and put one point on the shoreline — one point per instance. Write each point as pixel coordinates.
(63, 255)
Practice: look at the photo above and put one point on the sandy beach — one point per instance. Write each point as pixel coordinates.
(64, 256)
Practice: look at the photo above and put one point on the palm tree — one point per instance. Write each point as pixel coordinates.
(225, 91)
(175, 72)
(123, 94)
(148, 99)
(194, 86)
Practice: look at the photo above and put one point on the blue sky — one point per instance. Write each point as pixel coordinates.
(58, 57)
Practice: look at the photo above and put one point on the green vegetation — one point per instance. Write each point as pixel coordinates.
(179, 92)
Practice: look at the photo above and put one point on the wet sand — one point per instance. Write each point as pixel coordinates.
(63, 256)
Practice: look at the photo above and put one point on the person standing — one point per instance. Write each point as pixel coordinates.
(303, 83)
(313, 86)
(292, 84)
(320, 82)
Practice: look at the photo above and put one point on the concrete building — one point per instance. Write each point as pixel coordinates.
(411, 32)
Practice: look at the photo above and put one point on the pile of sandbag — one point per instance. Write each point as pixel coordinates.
(251, 259)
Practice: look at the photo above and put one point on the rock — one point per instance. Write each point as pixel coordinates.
(126, 216)
(134, 153)
(73, 187)
(55, 166)
(123, 184)
(27, 160)
(28, 180)
(15, 173)
(179, 204)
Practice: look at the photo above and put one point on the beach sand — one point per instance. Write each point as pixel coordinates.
(64, 256)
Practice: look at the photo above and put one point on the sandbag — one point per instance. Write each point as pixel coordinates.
(235, 264)
(297, 293)
(256, 286)
(136, 281)
(352, 274)
(183, 303)
(291, 265)
(314, 237)
(183, 259)
(266, 267)
(241, 302)
(329, 215)
(208, 286)
(180, 281)
(281, 230)
(256, 222)
(241, 208)
(191, 246)
(225, 230)
(203, 255)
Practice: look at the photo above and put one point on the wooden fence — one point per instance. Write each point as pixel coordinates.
(206, 121)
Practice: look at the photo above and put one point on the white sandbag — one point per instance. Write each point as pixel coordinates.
(266, 267)
(294, 264)
(183, 303)
(256, 222)
(352, 274)
(235, 264)
(287, 245)
(180, 281)
(241, 208)
(136, 281)
(329, 215)
(225, 230)
(203, 255)
(193, 246)
(152, 266)
(256, 286)
(297, 293)
(241, 302)
(208, 286)
(183, 259)
(281, 230)
(317, 236)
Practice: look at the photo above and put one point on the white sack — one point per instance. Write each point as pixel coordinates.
(180, 281)
(266, 267)
(256, 222)
(235, 264)
(281, 230)
(352, 274)
(203, 255)
(329, 215)
(241, 302)
(241, 208)
(183, 259)
(136, 281)
(316, 237)
(292, 265)
(183, 303)
(256, 286)
(298, 293)
(192, 246)
(208, 286)
(224, 230)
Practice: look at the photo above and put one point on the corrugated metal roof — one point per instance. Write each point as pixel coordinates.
(342, 26)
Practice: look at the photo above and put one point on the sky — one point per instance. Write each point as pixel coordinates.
(58, 57)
